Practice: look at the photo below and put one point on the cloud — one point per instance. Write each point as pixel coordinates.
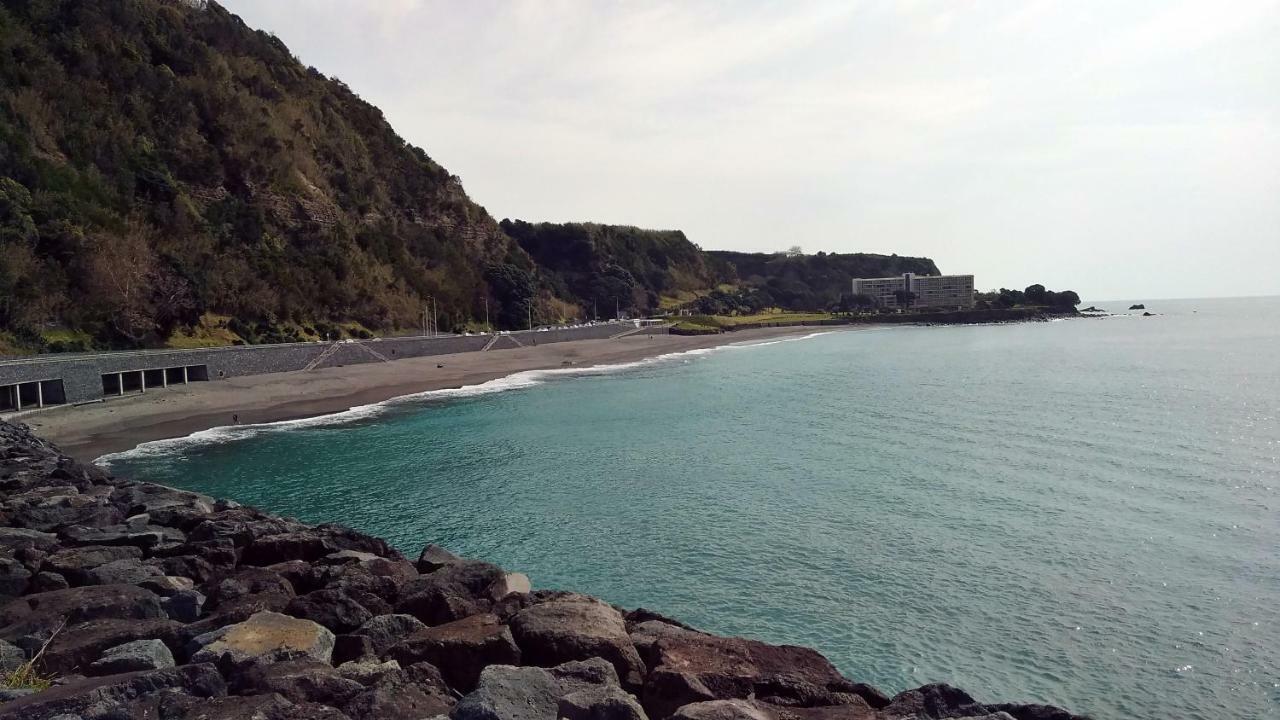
(1005, 138)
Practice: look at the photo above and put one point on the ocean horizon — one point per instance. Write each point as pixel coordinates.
(1079, 512)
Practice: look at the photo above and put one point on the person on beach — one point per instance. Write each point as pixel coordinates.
(235, 419)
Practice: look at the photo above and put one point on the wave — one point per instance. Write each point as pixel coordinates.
(521, 380)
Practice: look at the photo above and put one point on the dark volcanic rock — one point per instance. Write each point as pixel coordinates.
(511, 693)
(333, 609)
(606, 702)
(434, 557)
(77, 646)
(577, 628)
(384, 631)
(14, 578)
(461, 649)
(450, 593)
(300, 681)
(74, 564)
(133, 656)
(49, 609)
(692, 667)
(120, 691)
(935, 701)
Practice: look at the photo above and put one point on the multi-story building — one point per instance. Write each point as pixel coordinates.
(930, 291)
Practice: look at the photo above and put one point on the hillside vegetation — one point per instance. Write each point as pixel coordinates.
(169, 175)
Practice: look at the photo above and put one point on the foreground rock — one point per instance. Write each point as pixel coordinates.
(149, 602)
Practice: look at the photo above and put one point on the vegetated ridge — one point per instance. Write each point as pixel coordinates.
(169, 175)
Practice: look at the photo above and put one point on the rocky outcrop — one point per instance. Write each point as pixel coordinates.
(144, 601)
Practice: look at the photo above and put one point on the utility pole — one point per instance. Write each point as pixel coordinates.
(595, 312)
(617, 314)
(530, 317)
(486, 312)
(435, 322)
(424, 320)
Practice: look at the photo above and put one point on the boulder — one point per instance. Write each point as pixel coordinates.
(721, 710)
(265, 637)
(451, 593)
(14, 538)
(368, 672)
(352, 648)
(604, 702)
(132, 656)
(184, 605)
(48, 610)
(384, 631)
(415, 692)
(122, 572)
(461, 649)
(333, 609)
(47, 582)
(505, 692)
(577, 628)
(75, 563)
(11, 656)
(434, 557)
(167, 585)
(758, 710)
(79, 696)
(75, 647)
(936, 700)
(690, 667)
(14, 578)
(511, 583)
(300, 681)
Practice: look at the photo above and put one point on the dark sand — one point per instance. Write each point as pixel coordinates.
(90, 431)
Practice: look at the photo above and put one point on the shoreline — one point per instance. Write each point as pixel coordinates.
(89, 432)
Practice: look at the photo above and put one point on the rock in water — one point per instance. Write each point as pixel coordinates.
(265, 637)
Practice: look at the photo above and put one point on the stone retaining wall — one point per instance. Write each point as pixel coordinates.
(81, 374)
(141, 601)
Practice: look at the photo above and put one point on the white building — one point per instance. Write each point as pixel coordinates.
(931, 291)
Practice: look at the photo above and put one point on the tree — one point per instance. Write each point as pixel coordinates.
(904, 298)
(1035, 294)
(1067, 298)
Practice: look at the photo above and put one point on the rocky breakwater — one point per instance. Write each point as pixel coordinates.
(141, 601)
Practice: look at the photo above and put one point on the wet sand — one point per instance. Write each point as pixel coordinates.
(90, 431)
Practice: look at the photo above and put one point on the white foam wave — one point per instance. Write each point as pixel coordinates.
(516, 381)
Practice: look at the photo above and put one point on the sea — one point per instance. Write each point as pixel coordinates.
(1083, 512)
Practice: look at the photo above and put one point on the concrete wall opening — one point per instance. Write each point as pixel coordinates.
(32, 395)
(132, 381)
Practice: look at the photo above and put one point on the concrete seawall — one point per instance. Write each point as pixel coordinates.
(68, 379)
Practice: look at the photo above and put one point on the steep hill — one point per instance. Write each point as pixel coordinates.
(601, 265)
(161, 160)
(169, 175)
(812, 282)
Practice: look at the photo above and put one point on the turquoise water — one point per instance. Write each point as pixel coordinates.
(1081, 512)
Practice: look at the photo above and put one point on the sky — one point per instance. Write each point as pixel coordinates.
(1121, 149)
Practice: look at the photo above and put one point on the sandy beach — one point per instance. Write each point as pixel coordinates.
(90, 431)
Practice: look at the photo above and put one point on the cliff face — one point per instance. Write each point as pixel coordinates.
(144, 601)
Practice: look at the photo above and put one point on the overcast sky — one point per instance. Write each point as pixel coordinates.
(1123, 149)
